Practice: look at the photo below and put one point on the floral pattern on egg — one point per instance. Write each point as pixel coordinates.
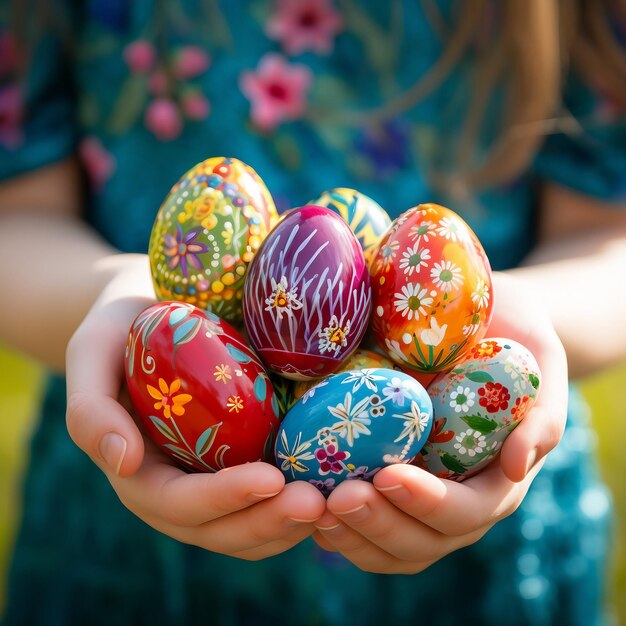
(431, 289)
(201, 394)
(367, 219)
(477, 405)
(352, 424)
(307, 294)
(206, 233)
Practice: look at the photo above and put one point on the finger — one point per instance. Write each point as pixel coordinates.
(449, 507)
(541, 430)
(358, 505)
(322, 542)
(297, 506)
(95, 420)
(165, 492)
(275, 547)
(365, 555)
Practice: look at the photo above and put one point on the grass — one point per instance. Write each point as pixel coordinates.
(20, 385)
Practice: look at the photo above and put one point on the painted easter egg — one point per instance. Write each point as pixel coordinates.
(352, 424)
(367, 219)
(431, 289)
(201, 393)
(477, 405)
(206, 232)
(307, 294)
(359, 360)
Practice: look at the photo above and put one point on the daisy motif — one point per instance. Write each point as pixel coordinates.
(450, 229)
(413, 259)
(480, 295)
(470, 442)
(412, 301)
(388, 253)
(334, 336)
(446, 275)
(283, 299)
(363, 377)
(462, 399)
(422, 231)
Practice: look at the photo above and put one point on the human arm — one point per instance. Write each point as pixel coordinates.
(579, 272)
(409, 518)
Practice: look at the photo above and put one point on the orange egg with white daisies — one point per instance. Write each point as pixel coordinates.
(432, 292)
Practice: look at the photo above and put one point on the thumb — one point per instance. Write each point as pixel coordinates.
(96, 421)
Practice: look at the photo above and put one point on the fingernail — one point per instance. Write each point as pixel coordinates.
(395, 493)
(113, 449)
(263, 496)
(532, 459)
(327, 528)
(358, 514)
(301, 521)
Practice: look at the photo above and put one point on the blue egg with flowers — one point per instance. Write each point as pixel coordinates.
(351, 425)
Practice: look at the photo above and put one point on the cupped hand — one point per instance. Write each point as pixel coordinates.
(409, 519)
(245, 511)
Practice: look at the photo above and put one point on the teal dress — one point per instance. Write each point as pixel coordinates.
(300, 90)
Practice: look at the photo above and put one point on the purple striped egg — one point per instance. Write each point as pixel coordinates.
(307, 296)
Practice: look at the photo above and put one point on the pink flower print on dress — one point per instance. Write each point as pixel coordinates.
(196, 106)
(11, 133)
(191, 61)
(158, 83)
(9, 54)
(140, 56)
(163, 120)
(301, 25)
(98, 163)
(277, 90)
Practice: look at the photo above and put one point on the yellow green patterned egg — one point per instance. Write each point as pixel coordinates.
(207, 231)
(367, 219)
(359, 360)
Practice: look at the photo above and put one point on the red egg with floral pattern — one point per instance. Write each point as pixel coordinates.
(432, 295)
(201, 393)
(307, 294)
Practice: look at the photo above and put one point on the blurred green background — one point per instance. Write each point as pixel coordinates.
(20, 385)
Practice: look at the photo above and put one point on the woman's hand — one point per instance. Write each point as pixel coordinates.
(245, 511)
(409, 519)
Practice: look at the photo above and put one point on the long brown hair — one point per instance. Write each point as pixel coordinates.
(536, 44)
